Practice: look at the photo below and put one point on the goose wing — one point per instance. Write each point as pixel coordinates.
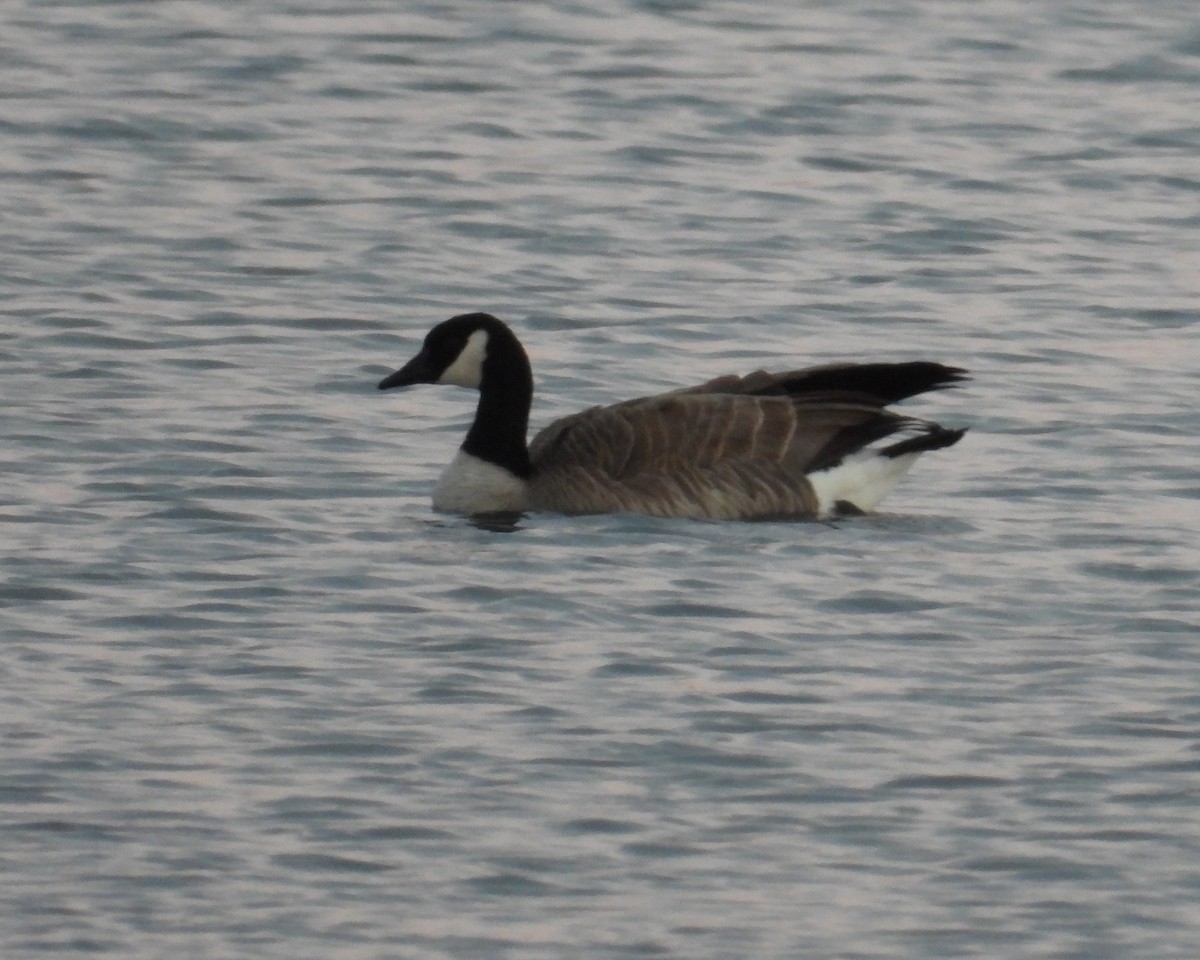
(703, 452)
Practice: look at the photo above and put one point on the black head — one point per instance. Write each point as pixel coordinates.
(455, 351)
(477, 350)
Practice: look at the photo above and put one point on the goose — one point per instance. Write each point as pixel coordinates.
(812, 443)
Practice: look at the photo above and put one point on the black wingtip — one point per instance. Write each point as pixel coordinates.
(884, 383)
(952, 377)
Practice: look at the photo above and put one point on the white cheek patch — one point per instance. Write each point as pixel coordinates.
(467, 368)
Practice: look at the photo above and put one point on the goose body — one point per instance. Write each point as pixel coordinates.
(816, 442)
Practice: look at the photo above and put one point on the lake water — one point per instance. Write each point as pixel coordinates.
(259, 701)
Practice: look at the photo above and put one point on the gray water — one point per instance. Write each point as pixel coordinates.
(259, 701)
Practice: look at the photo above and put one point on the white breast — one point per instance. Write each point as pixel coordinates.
(470, 485)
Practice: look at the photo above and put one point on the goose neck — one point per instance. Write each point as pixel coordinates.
(502, 416)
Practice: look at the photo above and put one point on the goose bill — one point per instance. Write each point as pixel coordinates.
(417, 370)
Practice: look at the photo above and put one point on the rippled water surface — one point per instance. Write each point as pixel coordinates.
(259, 701)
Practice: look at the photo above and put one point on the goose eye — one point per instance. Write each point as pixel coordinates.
(445, 350)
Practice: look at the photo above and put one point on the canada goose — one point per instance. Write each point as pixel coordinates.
(793, 444)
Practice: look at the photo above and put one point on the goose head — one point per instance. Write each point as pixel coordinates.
(470, 350)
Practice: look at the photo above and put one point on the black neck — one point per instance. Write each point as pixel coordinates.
(502, 417)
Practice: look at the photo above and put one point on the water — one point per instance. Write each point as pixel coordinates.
(259, 701)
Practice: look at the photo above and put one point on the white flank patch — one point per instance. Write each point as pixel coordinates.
(467, 368)
(470, 485)
(863, 479)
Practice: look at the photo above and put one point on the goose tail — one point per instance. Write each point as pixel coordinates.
(860, 480)
(931, 437)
